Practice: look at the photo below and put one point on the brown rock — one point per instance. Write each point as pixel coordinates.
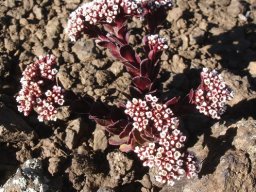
(174, 14)
(84, 50)
(120, 166)
(65, 79)
(74, 132)
(54, 165)
(252, 68)
(116, 68)
(38, 12)
(103, 77)
(52, 27)
(100, 141)
(177, 65)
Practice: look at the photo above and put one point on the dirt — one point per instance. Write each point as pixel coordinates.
(74, 152)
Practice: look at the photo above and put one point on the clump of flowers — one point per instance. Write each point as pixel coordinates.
(212, 94)
(168, 160)
(166, 153)
(39, 91)
(99, 11)
(145, 125)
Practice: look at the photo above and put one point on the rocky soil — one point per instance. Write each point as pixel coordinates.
(72, 154)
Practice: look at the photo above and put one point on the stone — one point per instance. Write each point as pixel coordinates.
(38, 12)
(9, 44)
(235, 8)
(174, 14)
(116, 68)
(23, 22)
(4, 66)
(64, 78)
(83, 49)
(28, 4)
(100, 141)
(12, 127)
(74, 132)
(178, 65)
(38, 50)
(29, 177)
(252, 68)
(120, 166)
(53, 27)
(196, 36)
(10, 3)
(63, 113)
(103, 77)
(146, 182)
(105, 189)
(49, 43)
(68, 57)
(54, 165)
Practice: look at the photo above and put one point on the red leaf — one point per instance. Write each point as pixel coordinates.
(172, 101)
(119, 124)
(108, 27)
(131, 69)
(151, 55)
(135, 92)
(142, 83)
(121, 32)
(106, 44)
(126, 148)
(128, 53)
(126, 131)
(138, 139)
(115, 140)
(102, 122)
(145, 68)
(191, 95)
(155, 70)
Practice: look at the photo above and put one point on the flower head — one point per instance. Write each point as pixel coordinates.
(212, 94)
(156, 43)
(34, 95)
(168, 158)
(151, 118)
(99, 11)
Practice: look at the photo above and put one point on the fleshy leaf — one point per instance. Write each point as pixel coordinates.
(172, 101)
(128, 53)
(151, 55)
(112, 48)
(135, 92)
(138, 139)
(145, 68)
(191, 95)
(115, 140)
(121, 32)
(126, 131)
(126, 148)
(155, 70)
(142, 83)
(102, 122)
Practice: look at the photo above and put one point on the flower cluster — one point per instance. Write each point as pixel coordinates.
(38, 91)
(97, 11)
(156, 43)
(166, 152)
(151, 118)
(153, 5)
(169, 162)
(211, 96)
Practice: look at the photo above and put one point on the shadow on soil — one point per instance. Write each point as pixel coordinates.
(236, 49)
